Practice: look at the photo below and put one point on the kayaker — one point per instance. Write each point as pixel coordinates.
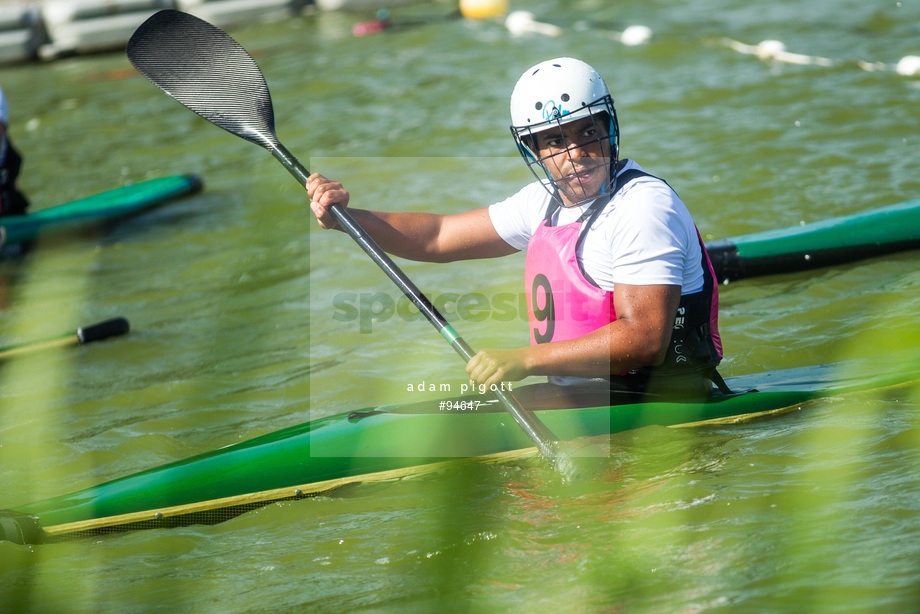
(619, 286)
(12, 201)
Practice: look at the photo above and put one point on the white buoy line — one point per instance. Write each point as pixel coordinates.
(775, 51)
(521, 23)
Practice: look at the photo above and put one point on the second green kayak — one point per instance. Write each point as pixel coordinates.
(102, 207)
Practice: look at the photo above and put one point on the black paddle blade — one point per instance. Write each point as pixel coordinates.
(199, 65)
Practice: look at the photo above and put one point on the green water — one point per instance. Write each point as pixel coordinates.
(232, 298)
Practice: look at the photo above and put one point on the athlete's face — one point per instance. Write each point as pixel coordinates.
(577, 156)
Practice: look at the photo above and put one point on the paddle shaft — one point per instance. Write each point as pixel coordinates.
(535, 429)
(206, 70)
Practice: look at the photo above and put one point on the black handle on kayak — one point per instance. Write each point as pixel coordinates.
(103, 330)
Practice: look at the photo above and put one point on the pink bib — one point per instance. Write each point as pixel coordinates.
(562, 304)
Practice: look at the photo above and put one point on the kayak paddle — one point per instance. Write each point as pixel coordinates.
(84, 334)
(206, 70)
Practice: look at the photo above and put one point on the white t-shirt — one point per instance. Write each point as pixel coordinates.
(645, 236)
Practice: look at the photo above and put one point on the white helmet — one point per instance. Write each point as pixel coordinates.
(554, 93)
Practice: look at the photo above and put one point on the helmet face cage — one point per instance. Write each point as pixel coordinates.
(603, 113)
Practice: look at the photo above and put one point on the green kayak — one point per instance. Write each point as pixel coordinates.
(103, 207)
(837, 240)
(392, 441)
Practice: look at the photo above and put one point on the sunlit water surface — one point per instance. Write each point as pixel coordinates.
(231, 295)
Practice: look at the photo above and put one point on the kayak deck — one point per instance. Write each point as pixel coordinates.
(375, 444)
(393, 441)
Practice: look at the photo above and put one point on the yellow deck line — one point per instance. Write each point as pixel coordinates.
(741, 418)
(267, 496)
